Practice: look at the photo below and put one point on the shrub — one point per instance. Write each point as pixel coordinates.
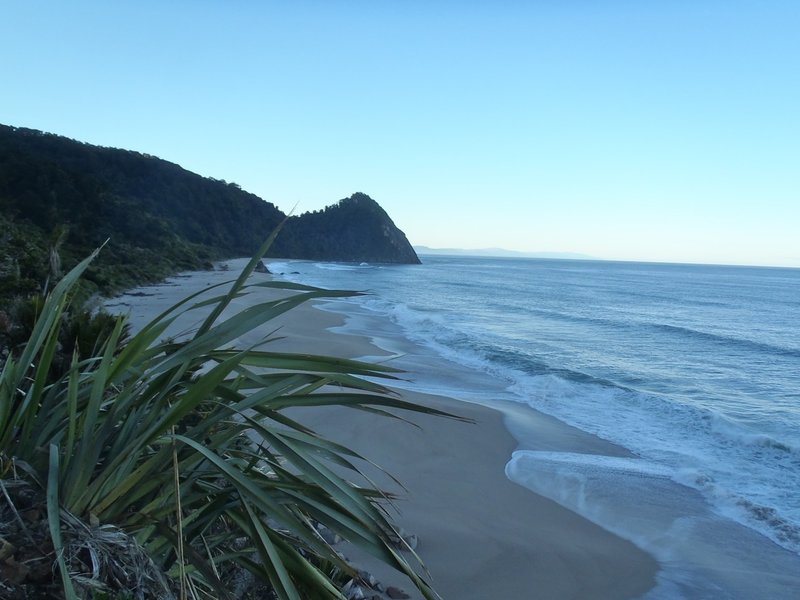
(161, 467)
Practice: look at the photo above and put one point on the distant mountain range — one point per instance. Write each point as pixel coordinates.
(60, 198)
(501, 252)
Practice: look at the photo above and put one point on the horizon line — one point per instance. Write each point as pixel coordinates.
(545, 255)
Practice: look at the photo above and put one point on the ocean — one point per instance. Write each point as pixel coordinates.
(693, 368)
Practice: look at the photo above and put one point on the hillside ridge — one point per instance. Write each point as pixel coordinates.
(70, 196)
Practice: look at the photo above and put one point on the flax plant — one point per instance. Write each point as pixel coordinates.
(169, 466)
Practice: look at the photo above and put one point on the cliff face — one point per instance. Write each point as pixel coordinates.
(158, 216)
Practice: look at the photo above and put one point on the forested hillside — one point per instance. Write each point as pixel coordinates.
(60, 199)
(354, 229)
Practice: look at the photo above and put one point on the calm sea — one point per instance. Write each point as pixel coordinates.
(695, 369)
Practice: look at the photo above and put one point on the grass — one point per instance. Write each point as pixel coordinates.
(164, 468)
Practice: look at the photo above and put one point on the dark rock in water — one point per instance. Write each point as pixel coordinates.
(261, 267)
(396, 593)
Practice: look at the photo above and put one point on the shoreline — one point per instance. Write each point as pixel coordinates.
(480, 534)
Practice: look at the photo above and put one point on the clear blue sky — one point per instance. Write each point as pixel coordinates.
(638, 130)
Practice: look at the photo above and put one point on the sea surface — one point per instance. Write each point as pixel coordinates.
(693, 368)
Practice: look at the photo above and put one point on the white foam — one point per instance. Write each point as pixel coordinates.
(702, 556)
(737, 470)
(744, 473)
(339, 266)
(741, 433)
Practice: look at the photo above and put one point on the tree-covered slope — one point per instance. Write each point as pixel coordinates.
(64, 195)
(355, 229)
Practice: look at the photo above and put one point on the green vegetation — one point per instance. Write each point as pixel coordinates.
(159, 469)
(59, 195)
(151, 469)
(354, 229)
(158, 217)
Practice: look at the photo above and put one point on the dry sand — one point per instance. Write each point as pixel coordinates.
(481, 536)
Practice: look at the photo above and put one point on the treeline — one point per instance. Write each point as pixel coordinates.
(60, 199)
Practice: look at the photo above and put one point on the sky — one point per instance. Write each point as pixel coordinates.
(621, 129)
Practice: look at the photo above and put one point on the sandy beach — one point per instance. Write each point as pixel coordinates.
(481, 536)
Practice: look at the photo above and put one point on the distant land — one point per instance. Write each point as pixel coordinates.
(501, 253)
(61, 199)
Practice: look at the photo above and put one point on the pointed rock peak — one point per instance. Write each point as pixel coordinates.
(355, 229)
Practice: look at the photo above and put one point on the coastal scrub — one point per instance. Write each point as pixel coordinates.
(167, 468)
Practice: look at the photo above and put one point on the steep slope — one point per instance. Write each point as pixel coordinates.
(59, 193)
(355, 229)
